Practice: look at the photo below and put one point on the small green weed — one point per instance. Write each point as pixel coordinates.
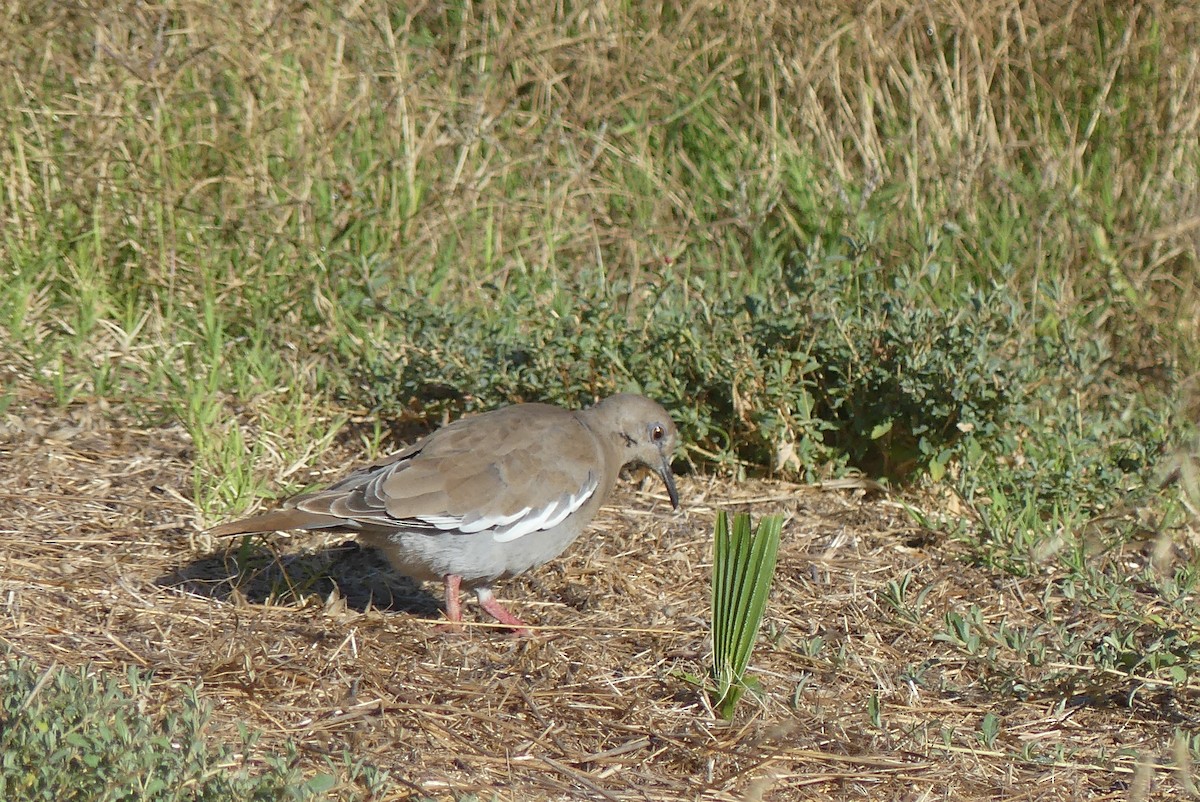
(895, 595)
(989, 730)
(77, 735)
(875, 710)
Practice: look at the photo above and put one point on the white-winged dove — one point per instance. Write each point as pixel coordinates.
(489, 496)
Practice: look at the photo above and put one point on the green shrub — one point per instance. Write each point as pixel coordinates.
(830, 366)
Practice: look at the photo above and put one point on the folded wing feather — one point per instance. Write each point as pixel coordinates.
(446, 488)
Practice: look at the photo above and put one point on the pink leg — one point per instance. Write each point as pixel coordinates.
(496, 610)
(453, 603)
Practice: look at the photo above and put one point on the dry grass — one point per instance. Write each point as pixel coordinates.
(512, 137)
(103, 562)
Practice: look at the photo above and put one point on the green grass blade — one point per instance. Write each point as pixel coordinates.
(727, 574)
(720, 592)
(763, 561)
(744, 589)
(738, 569)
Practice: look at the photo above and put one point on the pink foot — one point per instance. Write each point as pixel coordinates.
(496, 610)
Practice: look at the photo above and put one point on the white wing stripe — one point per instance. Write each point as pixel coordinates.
(561, 516)
(478, 525)
(441, 521)
(552, 515)
(506, 528)
(484, 522)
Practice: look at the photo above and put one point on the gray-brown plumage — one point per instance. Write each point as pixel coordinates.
(490, 496)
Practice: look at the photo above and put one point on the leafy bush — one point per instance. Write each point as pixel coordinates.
(830, 366)
(1081, 448)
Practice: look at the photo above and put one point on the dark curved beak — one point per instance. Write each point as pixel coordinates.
(664, 471)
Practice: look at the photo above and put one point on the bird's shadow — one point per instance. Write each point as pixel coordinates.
(260, 574)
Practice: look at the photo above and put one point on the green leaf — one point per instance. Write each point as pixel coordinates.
(937, 466)
(320, 783)
(77, 740)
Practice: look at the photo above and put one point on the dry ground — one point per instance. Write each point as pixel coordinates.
(102, 560)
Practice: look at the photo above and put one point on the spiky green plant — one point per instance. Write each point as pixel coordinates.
(743, 565)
